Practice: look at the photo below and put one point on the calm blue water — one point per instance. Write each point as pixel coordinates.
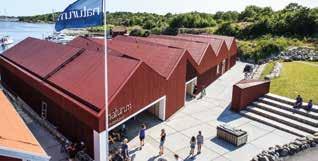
(19, 31)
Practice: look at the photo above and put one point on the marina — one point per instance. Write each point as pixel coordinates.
(18, 31)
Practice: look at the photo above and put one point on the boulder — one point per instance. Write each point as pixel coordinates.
(316, 139)
(294, 148)
(284, 152)
(262, 158)
(299, 143)
(271, 157)
(313, 144)
(255, 158)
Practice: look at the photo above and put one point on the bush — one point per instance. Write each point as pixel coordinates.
(139, 32)
(228, 29)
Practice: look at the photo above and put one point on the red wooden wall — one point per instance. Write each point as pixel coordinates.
(3, 158)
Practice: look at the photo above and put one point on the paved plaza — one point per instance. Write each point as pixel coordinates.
(205, 114)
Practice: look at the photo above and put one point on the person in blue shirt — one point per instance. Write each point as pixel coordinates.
(142, 135)
(124, 150)
(309, 105)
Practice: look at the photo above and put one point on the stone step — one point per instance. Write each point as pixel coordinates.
(274, 123)
(290, 122)
(287, 100)
(288, 107)
(286, 113)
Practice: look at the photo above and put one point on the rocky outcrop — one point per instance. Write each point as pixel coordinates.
(276, 71)
(298, 53)
(277, 153)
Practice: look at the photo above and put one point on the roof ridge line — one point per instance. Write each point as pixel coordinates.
(58, 68)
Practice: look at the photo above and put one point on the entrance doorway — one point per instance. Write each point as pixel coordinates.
(223, 66)
(157, 107)
(150, 115)
(189, 89)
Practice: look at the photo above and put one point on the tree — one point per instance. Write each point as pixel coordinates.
(250, 13)
(227, 29)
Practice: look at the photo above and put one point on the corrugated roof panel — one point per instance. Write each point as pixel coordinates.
(215, 43)
(196, 49)
(161, 58)
(39, 56)
(84, 76)
(86, 43)
(228, 39)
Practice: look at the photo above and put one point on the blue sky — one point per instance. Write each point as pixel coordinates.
(33, 7)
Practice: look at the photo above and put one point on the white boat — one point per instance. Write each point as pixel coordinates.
(59, 38)
(6, 40)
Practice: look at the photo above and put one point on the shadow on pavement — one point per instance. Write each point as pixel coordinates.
(227, 115)
(224, 144)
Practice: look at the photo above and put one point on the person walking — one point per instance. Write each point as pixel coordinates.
(199, 141)
(203, 92)
(142, 135)
(124, 150)
(192, 146)
(162, 141)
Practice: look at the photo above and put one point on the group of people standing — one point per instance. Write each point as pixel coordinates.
(123, 154)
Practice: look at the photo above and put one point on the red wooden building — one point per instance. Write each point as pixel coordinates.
(152, 73)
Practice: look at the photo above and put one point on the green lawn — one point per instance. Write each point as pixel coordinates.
(268, 69)
(297, 78)
(314, 62)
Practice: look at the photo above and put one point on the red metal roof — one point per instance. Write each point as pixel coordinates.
(84, 76)
(215, 43)
(162, 59)
(81, 75)
(87, 43)
(228, 39)
(39, 56)
(196, 49)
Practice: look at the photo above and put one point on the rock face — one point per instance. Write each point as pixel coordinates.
(278, 152)
(298, 53)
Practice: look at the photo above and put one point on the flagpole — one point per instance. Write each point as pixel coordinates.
(106, 78)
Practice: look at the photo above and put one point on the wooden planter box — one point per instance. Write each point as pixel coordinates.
(234, 136)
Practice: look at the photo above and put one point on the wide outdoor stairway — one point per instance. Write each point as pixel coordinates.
(278, 111)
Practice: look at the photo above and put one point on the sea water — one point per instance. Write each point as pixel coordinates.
(18, 31)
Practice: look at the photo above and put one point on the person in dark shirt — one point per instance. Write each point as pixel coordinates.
(71, 149)
(81, 146)
(162, 141)
(124, 150)
(195, 91)
(142, 135)
(299, 102)
(116, 156)
(309, 105)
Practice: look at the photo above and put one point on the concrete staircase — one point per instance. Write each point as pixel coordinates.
(278, 111)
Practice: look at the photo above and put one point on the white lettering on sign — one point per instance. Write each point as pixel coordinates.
(83, 13)
(118, 112)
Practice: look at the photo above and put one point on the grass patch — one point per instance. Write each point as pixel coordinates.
(268, 69)
(314, 62)
(297, 78)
